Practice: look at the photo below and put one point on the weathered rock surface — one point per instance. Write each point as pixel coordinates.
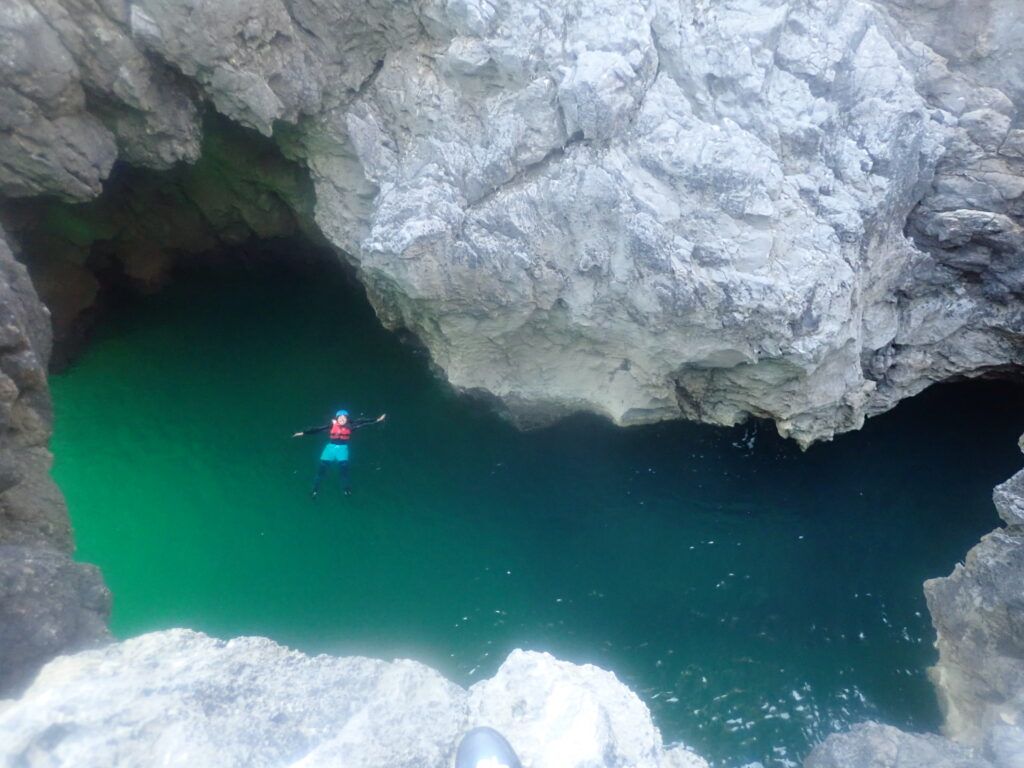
(48, 603)
(1009, 500)
(803, 211)
(75, 92)
(978, 613)
(871, 745)
(49, 142)
(181, 698)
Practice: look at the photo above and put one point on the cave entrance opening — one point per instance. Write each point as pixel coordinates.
(241, 200)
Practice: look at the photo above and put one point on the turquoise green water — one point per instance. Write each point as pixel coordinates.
(758, 598)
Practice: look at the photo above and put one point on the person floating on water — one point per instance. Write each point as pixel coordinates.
(336, 450)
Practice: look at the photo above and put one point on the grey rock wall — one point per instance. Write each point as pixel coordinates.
(48, 603)
(75, 92)
(239, 192)
(180, 698)
(978, 613)
(802, 210)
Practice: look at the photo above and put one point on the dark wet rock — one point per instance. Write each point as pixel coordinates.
(241, 191)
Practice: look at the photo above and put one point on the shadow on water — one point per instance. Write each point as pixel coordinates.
(758, 598)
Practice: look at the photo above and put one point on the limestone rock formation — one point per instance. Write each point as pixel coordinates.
(181, 698)
(75, 91)
(48, 603)
(802, 211)
(978, 612)
(49, 142)
(1009, 500)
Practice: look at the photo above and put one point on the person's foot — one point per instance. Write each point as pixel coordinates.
(348, 491)
(314, 494)
(485, 747)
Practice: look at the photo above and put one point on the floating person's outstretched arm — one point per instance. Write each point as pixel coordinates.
(312, 430)
(367, 422)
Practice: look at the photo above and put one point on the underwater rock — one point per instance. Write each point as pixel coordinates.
(871, 745)
(181, 698)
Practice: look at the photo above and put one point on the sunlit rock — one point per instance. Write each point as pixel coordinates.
(181, 698)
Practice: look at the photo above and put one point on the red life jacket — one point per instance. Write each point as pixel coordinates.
(340, 431)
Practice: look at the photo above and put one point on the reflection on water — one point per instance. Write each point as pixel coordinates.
(758, 598)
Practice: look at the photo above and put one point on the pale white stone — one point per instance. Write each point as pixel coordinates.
(181, 698)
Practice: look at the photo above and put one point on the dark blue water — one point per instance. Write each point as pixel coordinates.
(757, 597)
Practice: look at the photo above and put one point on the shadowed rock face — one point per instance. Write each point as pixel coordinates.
(48, 603)
(800, 211)
(241, 191)
(978, 612)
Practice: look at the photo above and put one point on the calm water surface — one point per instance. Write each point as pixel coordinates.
(758, 598)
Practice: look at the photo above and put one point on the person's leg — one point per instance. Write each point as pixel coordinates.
(319, 476)
(343, 471)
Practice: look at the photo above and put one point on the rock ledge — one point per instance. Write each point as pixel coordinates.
(180, 698)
